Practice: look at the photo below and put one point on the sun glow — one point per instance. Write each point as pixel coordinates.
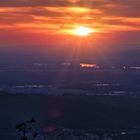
(82, 31)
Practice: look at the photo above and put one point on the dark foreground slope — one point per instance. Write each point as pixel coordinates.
(78, 112)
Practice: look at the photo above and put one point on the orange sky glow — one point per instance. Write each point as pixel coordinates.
(58, 18)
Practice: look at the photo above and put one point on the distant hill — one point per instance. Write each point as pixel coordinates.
(77, 112)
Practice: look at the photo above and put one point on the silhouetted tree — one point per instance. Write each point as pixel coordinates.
(25, 127)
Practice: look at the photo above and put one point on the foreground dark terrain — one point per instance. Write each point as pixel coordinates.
(94, 113)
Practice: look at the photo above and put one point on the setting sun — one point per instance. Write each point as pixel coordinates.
(82, 31)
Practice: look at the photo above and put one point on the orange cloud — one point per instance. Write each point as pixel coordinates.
(57, 16)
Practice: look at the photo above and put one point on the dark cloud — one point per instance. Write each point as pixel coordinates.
(32, 3)
(109, 7)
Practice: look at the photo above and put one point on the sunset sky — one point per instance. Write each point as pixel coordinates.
(88, 31)
(40, 22)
